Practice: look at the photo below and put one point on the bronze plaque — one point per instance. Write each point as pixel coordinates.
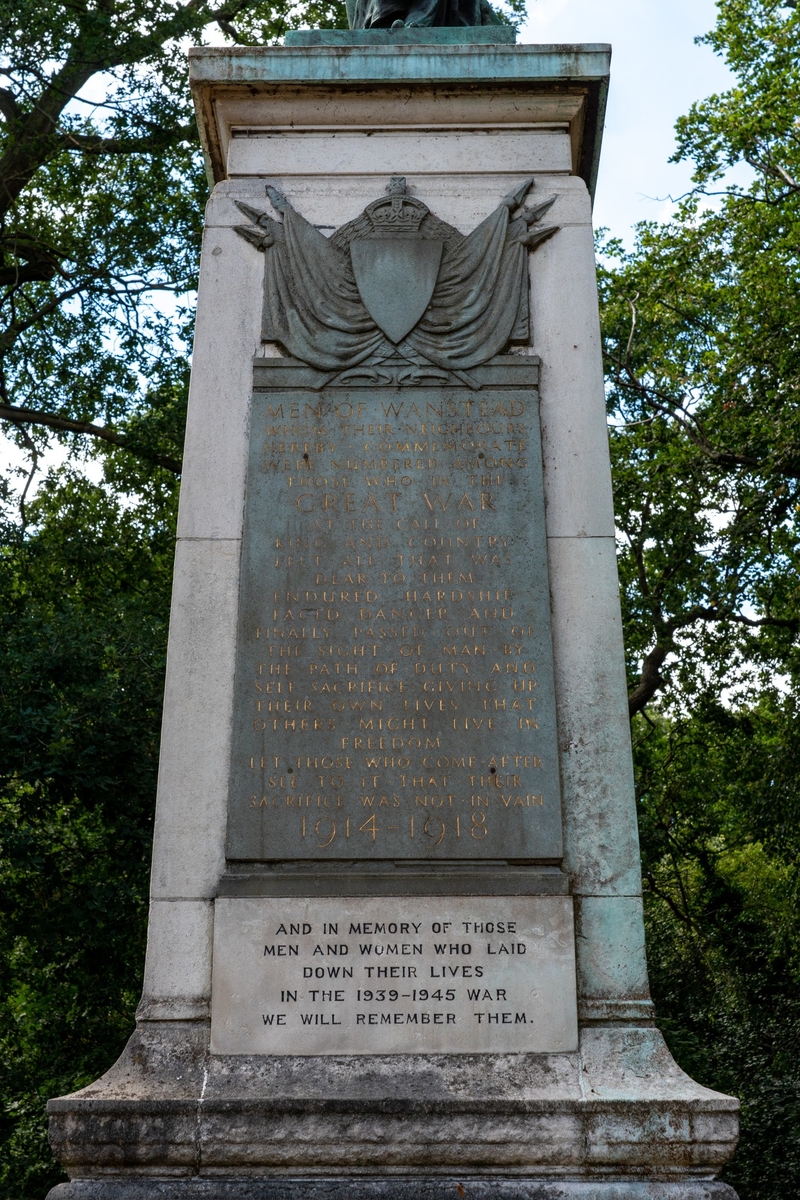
(394, 686)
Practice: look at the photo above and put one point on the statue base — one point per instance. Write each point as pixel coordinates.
(615, 1121)
(431, 35)
(388, 1187)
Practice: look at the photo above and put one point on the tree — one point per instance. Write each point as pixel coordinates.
(702, 341)
(83, 615)
(701, 333)
(702, 337)
(101, 191)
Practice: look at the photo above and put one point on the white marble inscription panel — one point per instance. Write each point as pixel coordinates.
(391, 975)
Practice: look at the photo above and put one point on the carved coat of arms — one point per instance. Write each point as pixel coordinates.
(397, 282)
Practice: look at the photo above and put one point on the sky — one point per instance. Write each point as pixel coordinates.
(656, 73)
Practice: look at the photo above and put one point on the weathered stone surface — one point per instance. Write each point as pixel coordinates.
(611, 933)
(394, 1187)
(273, 156)
(227, 335)
(168, 1106)
(188, 850)
(429, 975)
(177, 965)
(356, 878)
(601, 845)
(388, 1187)
(538, 72)
(567, 335)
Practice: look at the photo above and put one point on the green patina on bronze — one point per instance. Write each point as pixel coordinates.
(403, 35)
(398, 280)
(394, 694)
(397, 14)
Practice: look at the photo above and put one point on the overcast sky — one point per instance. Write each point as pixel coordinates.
(656, 73)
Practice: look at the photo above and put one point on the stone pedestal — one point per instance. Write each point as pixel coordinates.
(541, 1078)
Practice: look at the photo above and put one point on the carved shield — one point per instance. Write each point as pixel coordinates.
(396, 277)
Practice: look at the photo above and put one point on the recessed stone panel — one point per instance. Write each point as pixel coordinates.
(273, 154)
(374, 975)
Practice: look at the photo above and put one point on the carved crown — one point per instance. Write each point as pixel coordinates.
(398, 214)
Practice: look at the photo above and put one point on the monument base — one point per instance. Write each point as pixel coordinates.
(616, 1120)
(388, 1187)
(390, 513)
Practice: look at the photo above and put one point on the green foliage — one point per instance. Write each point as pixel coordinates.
(702, 340)
(101, 197)
(720, 826)
(702, 327)
(757, 121)
(511, 12)
(83, 603)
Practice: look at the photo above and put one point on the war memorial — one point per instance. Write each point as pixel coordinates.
(396, 944)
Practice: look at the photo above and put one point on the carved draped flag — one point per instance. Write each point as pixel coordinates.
(397, 281)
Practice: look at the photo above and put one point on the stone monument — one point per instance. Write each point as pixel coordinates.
(396, 946)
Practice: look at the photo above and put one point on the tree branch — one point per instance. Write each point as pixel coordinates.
(29, 144)
(684, 917)
(32, 136)
(773, 169)
(231, 31)
(30, 416)
(30, 446)
(650, 679)
(10, 335)
(30, 273)
(158, 140)
(668, 407)
(8, 105)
